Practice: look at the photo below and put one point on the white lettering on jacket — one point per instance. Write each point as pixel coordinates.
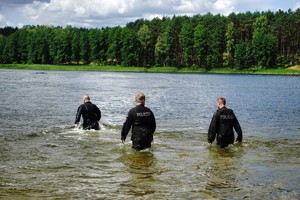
(143, 114)
(226, 116)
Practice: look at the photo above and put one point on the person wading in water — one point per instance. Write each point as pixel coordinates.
(222, 125)
(142, 121)
(90, 113)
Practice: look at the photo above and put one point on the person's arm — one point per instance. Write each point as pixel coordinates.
(153, 122)
(98, 114)
(238, 130)
(213, 129)
(78, 114)
(153, 126)
(126, 126)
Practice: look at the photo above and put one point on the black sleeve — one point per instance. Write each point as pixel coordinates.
(238, 129)
(78, 114)
(213, 128)
(127, 124)
(153, 123)
(98, 114)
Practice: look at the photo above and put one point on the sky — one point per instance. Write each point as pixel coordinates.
(110, 13)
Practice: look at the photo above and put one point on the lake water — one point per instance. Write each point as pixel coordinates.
(42, 155)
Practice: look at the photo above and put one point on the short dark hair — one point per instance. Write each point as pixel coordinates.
(140, 98)
(86, 98)
(222, 100)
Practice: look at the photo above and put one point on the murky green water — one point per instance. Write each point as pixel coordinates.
(42, 156)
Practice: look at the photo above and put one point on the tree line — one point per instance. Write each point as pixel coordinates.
(241, 41)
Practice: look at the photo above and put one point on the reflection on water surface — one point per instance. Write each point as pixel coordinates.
(42, 156)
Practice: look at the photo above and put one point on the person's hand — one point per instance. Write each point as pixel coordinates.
(209, 145)
(238, 140)
(123, 141)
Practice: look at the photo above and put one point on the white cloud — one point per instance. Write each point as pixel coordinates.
(193, 6)
(3, 21)
(297, 5)
(102, 13)
(185, 6)
(58, 12)
(32, 10)
(225, 6)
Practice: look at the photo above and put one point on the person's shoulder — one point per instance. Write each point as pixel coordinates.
(147, 108)
(229, 110)
(218, 111)
(94, 104)
(133, 109)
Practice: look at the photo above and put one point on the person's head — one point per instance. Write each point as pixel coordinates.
(140, 98)
(86, 98)
(221, 102)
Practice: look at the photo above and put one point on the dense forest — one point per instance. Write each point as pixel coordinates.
(243, 40)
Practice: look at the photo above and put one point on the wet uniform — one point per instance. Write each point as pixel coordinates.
(143, 124)
(222, 125)
(91, 114)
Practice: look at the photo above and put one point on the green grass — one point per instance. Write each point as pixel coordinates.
(295, 70)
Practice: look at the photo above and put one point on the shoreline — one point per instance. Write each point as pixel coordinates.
(291, 71)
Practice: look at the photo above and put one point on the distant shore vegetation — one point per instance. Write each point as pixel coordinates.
(237, 43)
(295, 70)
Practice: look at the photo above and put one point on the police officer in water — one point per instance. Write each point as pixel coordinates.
(222, 125)
(142, 121)
(90, 113)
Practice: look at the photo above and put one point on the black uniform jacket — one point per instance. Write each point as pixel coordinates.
(142, 121)
(90, 113)
(222, 124)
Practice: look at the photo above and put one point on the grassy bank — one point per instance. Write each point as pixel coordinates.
(295, 70)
